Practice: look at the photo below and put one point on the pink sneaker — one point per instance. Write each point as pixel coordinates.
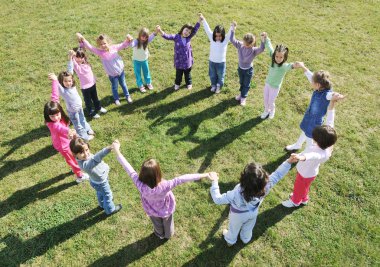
(142, 89)
(150, 86)
(238, 97)
(243, 101)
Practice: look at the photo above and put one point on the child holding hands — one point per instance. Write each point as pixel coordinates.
(183, 53)
(156, 193)
(98, 171)
(324, 138)
(112, 62)
(246, 198)
(247, 51)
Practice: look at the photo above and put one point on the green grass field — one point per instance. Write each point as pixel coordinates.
(48, 220)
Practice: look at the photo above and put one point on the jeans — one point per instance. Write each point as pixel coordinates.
(243, 223)
(178, 76)
(137, 66)
(245, 77)
(80, 124)
(90, 97)
(217, 71)
(104, 195)
(121, 80)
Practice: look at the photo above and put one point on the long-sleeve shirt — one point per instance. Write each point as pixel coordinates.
(112, 62)
(139, 53)
(70, 95)
(235, 197)
(96, 168)
(158, 201)
(246, 54)
(276, 73)
(315, 155)
(183, 53)
(218, 50)
(59, 130)
(84, 72)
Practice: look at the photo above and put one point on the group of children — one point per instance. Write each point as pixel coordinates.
(156, 193)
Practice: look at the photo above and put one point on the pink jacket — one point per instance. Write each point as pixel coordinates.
(59, 130)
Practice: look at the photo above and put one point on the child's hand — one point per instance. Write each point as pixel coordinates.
(336, 97)
(213, 176)
(79, 37)
(129, 38)
(299, 65)
(115, 145)
(158, 29)
(72, 133)
(201, 17)
(233, 25)
(263, 36)
(52, 77)
(71, 53)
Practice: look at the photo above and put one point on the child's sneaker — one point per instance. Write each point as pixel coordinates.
(289, 204)
(90, 137)
(150, 86)
(190, 86)
(213, 88)
(96, 116)
(117, 102)
(225, 231)
(292, 147)
(129, 99)
(176, 87)
(91, 132)
(243, 101)
(142, 89)
(83, 178)
(238, 97)
(117, 209)
(264, 114)
(103, 110)
(217, 91)
(271, 114)
(302, 202)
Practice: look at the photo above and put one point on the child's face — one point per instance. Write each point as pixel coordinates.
(279, 57)
(85, 154)
(68, 81)
(79, 60)
(186, 32)
(103, 44)
(55, 117)
(143, 38)
(218, 37)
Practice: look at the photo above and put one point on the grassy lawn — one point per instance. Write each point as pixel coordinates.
(48, 220)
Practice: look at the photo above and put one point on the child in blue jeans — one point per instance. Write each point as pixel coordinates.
(98, 171)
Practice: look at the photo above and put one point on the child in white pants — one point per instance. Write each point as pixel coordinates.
(246, 197)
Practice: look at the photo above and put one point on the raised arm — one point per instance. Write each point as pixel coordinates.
(235, 42)
(127, 42)
(84, 43)
(268, 45)
(279, 173)
(170, 184)
(71, 63)
(221, 199)
(195, 30)
(98, 157)
(207, 29)
(54, 88)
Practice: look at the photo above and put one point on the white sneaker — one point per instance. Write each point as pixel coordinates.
(142, 89)
(91, 132)
(90, 137)
(243, 101)
(289, 204)
(150, 86)
(96, 116)
(302, 202)
(117, 102)
(238, 97)
(271, 114)
(213, 88)
(190, 86)
(225, 231)
(217, 91)
(264, 114)
(292, 147)
(129, 99)
(83, 178)
(103, 110)
(176, 87)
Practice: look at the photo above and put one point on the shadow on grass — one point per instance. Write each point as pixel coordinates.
(17, 252)
(12, 166)
(193, 121)
(209, 147)
(272, 166)
(23, 197)
(163, 110)
(219, 254)
(130, 253)
(21, 140)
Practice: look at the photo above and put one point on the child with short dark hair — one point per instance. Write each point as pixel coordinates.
(183, 53)
(246, 198)
(247, 51)
(98, 171)
(313, 156)
(156, 193)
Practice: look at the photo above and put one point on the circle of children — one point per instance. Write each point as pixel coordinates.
(156, 193)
